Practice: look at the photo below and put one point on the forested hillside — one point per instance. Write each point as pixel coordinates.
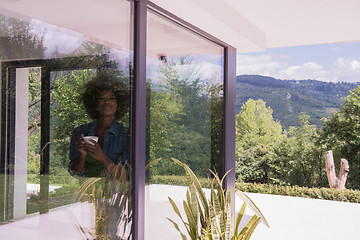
(288, 98)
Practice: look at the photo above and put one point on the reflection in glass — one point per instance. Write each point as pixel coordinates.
(45, 65)
(184, 115)
(104, 159)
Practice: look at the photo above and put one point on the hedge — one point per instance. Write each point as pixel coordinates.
(346, 195)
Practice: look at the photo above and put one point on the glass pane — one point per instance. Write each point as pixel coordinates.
(184, 116)
(64, 78)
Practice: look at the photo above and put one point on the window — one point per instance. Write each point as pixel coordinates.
(185, 80)
(45, 61)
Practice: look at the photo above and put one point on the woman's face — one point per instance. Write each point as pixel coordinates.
(106, 104)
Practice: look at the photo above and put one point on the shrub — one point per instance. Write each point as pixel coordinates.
(346, 195)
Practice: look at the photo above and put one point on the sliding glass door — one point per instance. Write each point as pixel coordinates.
(46, 63)
(185, 106)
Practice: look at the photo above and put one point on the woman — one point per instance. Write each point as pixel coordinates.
(106, 100)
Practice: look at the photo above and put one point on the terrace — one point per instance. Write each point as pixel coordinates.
(289, 218)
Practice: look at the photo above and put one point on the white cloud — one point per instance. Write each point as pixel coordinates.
(202, 70)
(346, 70)
(264, 64)
(343, 69)
(309, 70)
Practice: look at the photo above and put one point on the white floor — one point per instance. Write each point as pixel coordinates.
(59, 224)
(301, 218)
(32, 188)
(290, 218)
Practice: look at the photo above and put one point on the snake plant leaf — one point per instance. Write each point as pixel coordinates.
(215, 231)
(194, 181)
(191, 189)
(183, 236)
(218, 211)
(203, 220)
(239, 217)
(206, 233)
(193, 205)
(229, 225)
(193, 227)
(251, 205)
(84, 187)
(251, 229)
(175, 208)
(215, 201)
(228, 210)
(218, 187)
(247, 227)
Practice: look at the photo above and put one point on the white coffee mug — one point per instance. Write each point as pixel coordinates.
(87, 139)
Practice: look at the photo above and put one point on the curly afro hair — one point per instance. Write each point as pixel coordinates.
(102, 82)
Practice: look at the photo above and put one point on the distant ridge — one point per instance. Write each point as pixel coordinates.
(288, 98)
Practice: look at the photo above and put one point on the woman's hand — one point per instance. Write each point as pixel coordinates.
(80, 145)
(95, 150)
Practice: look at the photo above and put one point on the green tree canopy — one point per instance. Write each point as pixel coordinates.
(257, 133)
(255, 124)
(301, 159)
(340, 133)
(18, 41)
(184, 119)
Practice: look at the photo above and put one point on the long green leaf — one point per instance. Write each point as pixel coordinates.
(195, 182)
(215, 231)
(229, 225)
(84, 187)
(193, 204)
(203, 220)
(218, 210)
(228, 212)
(219, 188)
(239, 217)
(183, 236)
(246, 228)
(176, 210)
(251, 205)
(251, 229)
(192, 223)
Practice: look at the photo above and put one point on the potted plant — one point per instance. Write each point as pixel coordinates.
(111, 196)
(212, 218)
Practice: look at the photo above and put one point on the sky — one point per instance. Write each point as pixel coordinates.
(339, 62)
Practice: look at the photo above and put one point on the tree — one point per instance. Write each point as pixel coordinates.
(17, 41)
(257, 133)
(67, 111)
(162, 113)
(181, 120)
(301, 158)
(340, 133)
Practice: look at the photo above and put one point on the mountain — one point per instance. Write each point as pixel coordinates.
(288, 98)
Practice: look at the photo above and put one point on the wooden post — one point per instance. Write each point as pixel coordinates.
(344, 169)
(340, 180)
